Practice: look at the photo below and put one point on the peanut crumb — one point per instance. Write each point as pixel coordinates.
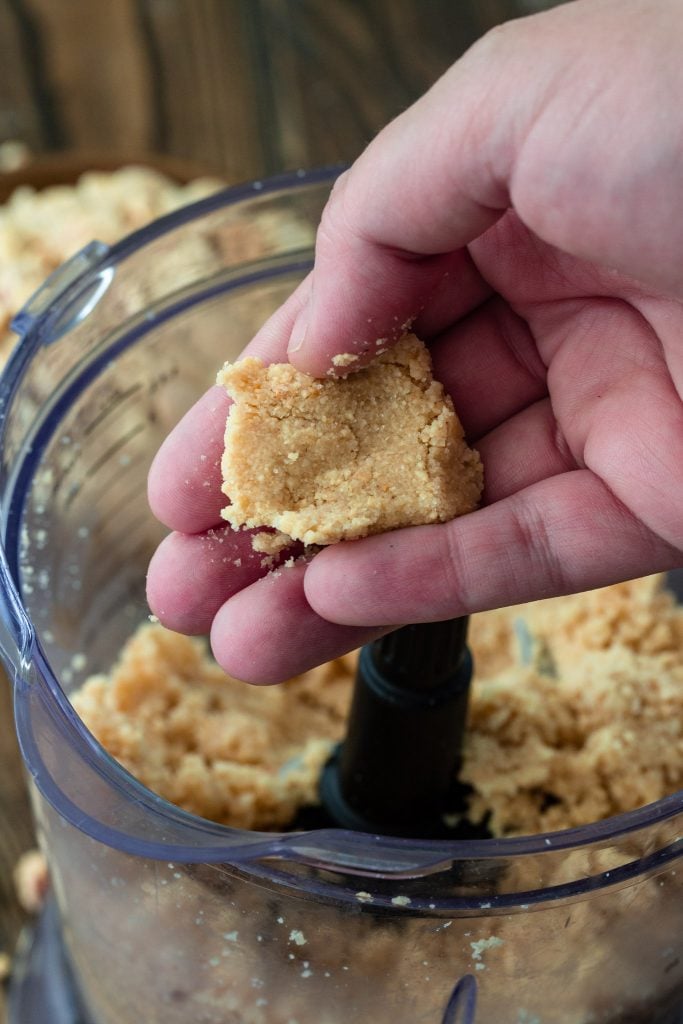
(481, 945)
(31, 880)
(270, 543)
(344, 359)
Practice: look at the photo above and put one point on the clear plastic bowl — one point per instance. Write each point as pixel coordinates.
(165, 916)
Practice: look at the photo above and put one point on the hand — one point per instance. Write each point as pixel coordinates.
(527, 213)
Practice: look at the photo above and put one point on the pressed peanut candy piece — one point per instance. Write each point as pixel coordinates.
(340, 458)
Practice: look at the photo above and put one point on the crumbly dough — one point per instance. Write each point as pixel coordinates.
(39, 230)
(578, 710)
(241, 755)
(30, 877)
(576, 714)
(270, 543)
(335, 459)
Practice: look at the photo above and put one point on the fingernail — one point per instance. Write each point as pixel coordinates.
(299, 332)
(300, 328)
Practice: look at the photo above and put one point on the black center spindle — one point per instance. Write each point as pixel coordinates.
(396, 771)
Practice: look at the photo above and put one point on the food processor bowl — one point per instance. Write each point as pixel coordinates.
(164, 916)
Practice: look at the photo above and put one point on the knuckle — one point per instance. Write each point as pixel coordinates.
(453, 572)
(536, 541)
(500, 40)
(337, 223)
(561, 446)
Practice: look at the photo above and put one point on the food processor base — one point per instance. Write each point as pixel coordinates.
(43, 987)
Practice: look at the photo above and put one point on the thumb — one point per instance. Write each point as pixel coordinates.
(527, 119)
(391, 237)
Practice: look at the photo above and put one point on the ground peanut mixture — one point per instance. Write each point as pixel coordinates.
(576, 714)
(40, 230)
(335, 459)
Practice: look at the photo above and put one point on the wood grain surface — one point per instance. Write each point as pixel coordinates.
(243, 88)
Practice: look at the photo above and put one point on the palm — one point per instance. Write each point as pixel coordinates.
(580, 369)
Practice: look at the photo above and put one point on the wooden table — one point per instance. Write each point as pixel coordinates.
(243, 88)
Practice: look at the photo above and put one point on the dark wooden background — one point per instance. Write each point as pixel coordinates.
(242, 88)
